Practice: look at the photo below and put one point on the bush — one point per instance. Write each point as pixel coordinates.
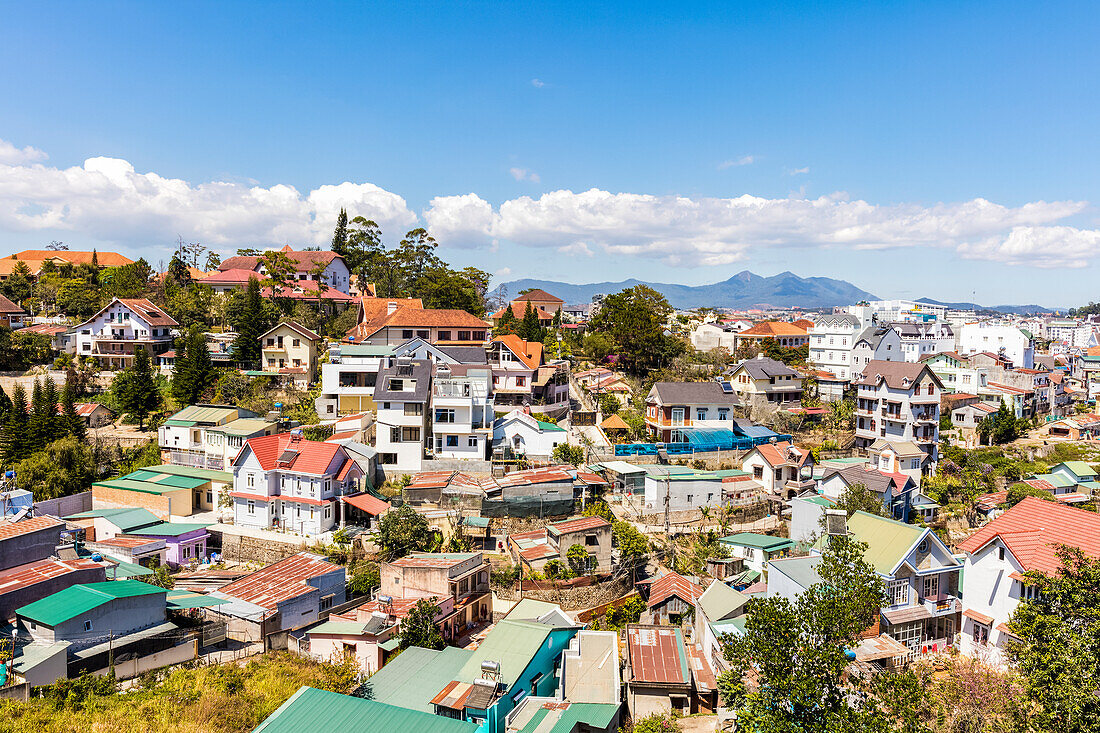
(565, 453)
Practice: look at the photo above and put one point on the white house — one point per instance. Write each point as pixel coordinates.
(284, 481)
(313, 265)
(1025, 538)
(876, 343)
(402, 397)
(1003, 340)
(462, 411)
(781, 469)
(112, 334)
(923, 338)
(209, 436)
(708, 336)
(691, 488)
(832, 338)
(527, 436)
(899, 400)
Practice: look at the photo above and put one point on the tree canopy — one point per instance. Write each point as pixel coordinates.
(635, 320)
(402, 531)
(418, 627)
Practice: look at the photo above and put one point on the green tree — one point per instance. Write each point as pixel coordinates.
(418, 628)
(632, 544)
(1005, 427)
(1017, 492)
(364, 577)
(858, 497)
(213, 261)
(556, 570)
(72, 423)
(635, 320)
(578, 558)
(565, 453)
(250, 322)
(609, 404)
(402, 531)
(796, 653)
(14, 442)
(18, 286)
(65, 467)
(1058, 653)
(136, 388)
(340, 236)
(508, 323)
(529, 328)
(193, 374)
(985, 428)
(656, 723)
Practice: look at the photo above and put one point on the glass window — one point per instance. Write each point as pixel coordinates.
(452, 441)
(899, 592)
(931, 586)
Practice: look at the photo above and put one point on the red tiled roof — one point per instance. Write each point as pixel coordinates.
(776, 455)
(26, 526)
(528, 352)
(103, 259)
(285, 579)
(408, 317)
(312, 457)
(673, 584)
(1033, 529)
(655, 655)
(305, 260)
(47, 328)
(6, 306)
(979, 617)
(145, 308)
(578, 524)
(130, 542)
(519, 310)
(991, 501)
(233, 276)
(368, 503)
(32, 573)
(539, 295)
(774, 328)
(342, 435)
(303, 500)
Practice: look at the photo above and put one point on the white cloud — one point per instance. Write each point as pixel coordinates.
(11, 155)
(522, 174)
(799, 171)
(538, 83)
(733, 163)
(106, 200)
(502, 272)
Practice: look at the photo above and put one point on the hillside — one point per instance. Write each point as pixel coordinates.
(743, 290)
(1019, 310)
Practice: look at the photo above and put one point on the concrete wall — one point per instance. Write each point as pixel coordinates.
(25, 548)
(244, 548)
(65, 505)
(162, 505)
(21, 692)
(130, 668)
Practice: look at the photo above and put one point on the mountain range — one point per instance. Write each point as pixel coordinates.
(1020, 310)
(743, 290)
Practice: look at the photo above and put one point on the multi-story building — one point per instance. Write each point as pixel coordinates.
(522, 377)
(313, 266)
(956, 372)
(832, 338)
(1025, 538)
(672, 407)
(1080, 335)
(763, 381)
(112, 334)
(462, 411)
(290, 348)
(536, 548)
(403, 395)
(402, 321)
(1006, 341)
(899, 400)
(919, 339)
(876, 342)
(210, 436)
(284, 481)
(463, 578)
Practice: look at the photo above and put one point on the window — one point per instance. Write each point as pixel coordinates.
(297, 342)
(413, 409)
(209, 497)
(479, 335)
(387, 459)
(395, 435)
(930, 586)
(422, 334)
(899, 592)
(521, 381)
(326, 602)
(689, 498)
(251, 507)
(397, 385)
(1000, 553)
(407, 333)
(981, 633)
(452, 441)
(758, 472)
(444, 335)
(931, 388)
(1031, 593)
(445, 416)
(410, 435)
(328, 512)
(463, 335)
(251, 480)
(87, 625)
(723, 413)
(701, 413)
(591, 540)
(472, 441)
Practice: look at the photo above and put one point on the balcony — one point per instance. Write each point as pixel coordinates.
(925, 438)
(925, 417)
(664, 422)
(942, 604)
(893, 416)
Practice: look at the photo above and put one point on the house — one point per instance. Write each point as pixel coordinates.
(285, 481)
(308, 705)
(898, 491)
(757, 550)
(788, 577)
(763, 381)
(307, 266)
(526, 436)
(968, 416)
(806, 514)
(290, 348)
(412, 679)
(956, 372)
(565, 715)
(112, 334)
(11, 315)
(368, 633)
(899, 401)
(179, 491)
(780, 468)
(399, 323)
(41, 577)
(709, 336)
(294, 592)
(536, 548)
(590, 669)
(684, 488)
(623, 477)
(671, 599)
(402, 397)
(94, 414)
(185, 543)
(28, 539)
(898, 456)
(832, 338)
(787, 335)
(658, 678)
(460, 579)
(522, 377)
(61, 338)
(672, 407)
(538, 298)
(1024, 539)
(718, 603)
(210, 436)
(462, 410)
(149, 552)
(105, 523)
(83, 614)
(349, 377)
(919, 339)
(1011, 343)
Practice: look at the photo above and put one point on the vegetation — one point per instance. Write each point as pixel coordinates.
(565, 453)
(136, 388)
(858, 497)
(1017, 492)
(418, 627)
(194, 375)
(578, 559)
(363, 577)
(634, 320)
(402, 531)
(656, 723)
(225, 698)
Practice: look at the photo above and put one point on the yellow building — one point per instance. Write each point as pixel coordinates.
(291, 349)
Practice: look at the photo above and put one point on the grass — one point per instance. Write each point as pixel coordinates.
(224, 698)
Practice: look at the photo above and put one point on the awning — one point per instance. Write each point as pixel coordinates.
(123, 570)
(878, 647)
(979, 617)
(745, 577)
(391, 643)
(367, 503)
(184, 599)
(907, 615)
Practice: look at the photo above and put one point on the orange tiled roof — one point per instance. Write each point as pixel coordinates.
(519, 310)
(528, 352)
(774, 328)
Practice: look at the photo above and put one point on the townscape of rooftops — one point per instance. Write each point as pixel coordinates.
(660, 473)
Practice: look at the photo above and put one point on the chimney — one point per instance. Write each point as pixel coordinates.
(390, 308)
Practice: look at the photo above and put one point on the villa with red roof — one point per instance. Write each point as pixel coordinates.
(309, 266)
(1023, 539)
(112, 334)
(288, 482)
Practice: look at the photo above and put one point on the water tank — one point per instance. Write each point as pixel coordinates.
(96, 557)
(490, 666)
(385, 600)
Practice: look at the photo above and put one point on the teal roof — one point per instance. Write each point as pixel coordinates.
(1079, 468)
(159, 478)
(184, 599)
(168, 529)
(78, 599)
(762, 541)
(366, 350)
(729, 626)
(125, 518)
(245, 426)
(475, 521)
(549, 426)
(204, 473)
(142, 487)
(819, 500)
(801, 570)
(1055, 479)
(511, 643)
(597, 715)
(320, 710)
(415, 676)
(390, 644)
(123, 570)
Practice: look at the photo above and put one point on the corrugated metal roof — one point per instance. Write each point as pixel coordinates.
(285, 579)
(657, 655)
(308, 707)
(168, 529)
(887, 540)
(78, 599)
(204, 473)
(206, 413)
(511, 643)
(125, 518)
(26, 526)
(415, 676)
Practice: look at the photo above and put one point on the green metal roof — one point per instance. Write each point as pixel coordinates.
(729, 626)
(888, 541)
(168, 529)
(194, 472)
(597, 715)
(1079, 468)
(549, 426)
(719, 601)
(511, 643)
(819, 500)
(390, 644)
(125, 518)
(178, 423)
(78, 599)
(165, 479)
(184, 599)
(125, 570)
(320, 710)
(475, 521)
(801, 570)
(415, 676)
(142, 487)
(762, 541)
(205, 413)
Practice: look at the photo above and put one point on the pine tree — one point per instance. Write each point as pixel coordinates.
(529, 329)
(250, 327)
(340, 236)
(5, 405)
(13, 437)
(38, 425)
(72, 423)
(508, 322)
(50, 397)
(194, 370)
(180, 386)
(137, 392)
(95, 258)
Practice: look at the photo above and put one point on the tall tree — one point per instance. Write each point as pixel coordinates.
(402, 531)
(250, 325)
(51, 399)
(340, 235)
(38, 425)
(213, 261)
(136, 388)
(529, 328)
(418, 627)
(508, 322)
(635, 319)
(194, 372)
(72, 422)
(14, 444)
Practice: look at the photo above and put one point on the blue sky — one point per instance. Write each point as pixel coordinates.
(566, 141)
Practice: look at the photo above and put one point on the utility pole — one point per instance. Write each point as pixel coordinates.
(111, 649)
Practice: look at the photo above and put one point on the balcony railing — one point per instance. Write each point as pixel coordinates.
(942, 604)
